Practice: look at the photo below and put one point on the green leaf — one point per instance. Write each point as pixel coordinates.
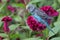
(12, 0)
(58, 18)
(46, 32)
(3, 35)
(1, 22)
(35, 1)
(18, 5)
(54, 5)
(58, 10)
(6, 39)
(58, 1)
(13, 26)
(14, 35)
(56, 38)
(25, 27)
(4, 1)
(17, 18)
(32, 39)
(22, 35)
(55, 29)
(2, 7)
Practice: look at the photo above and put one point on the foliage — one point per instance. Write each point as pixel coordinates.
(19, 28)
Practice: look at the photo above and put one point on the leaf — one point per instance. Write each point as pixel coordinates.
(18, 5)
(6, 39)
(54, 5)
(3, 35)
(17, 18)
(2, 7)
(56, 38)
(4, 1)
(12, 0)
(1, 22)
(46, 32)
(32, 39)
(58, 18)
(55, 29)
(58, 10)
(25, 27)
(14, 35)
(58, 1)
(35, 1)
(23, 35)
(13, 26)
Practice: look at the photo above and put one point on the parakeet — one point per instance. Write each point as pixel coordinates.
(39, 15)
(33, 9)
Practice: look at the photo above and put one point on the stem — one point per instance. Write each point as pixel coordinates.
(5, 27)
(9, 36)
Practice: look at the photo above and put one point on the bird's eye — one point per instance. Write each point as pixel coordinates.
(31, 8)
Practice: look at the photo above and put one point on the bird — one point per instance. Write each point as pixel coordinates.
(39, 15)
